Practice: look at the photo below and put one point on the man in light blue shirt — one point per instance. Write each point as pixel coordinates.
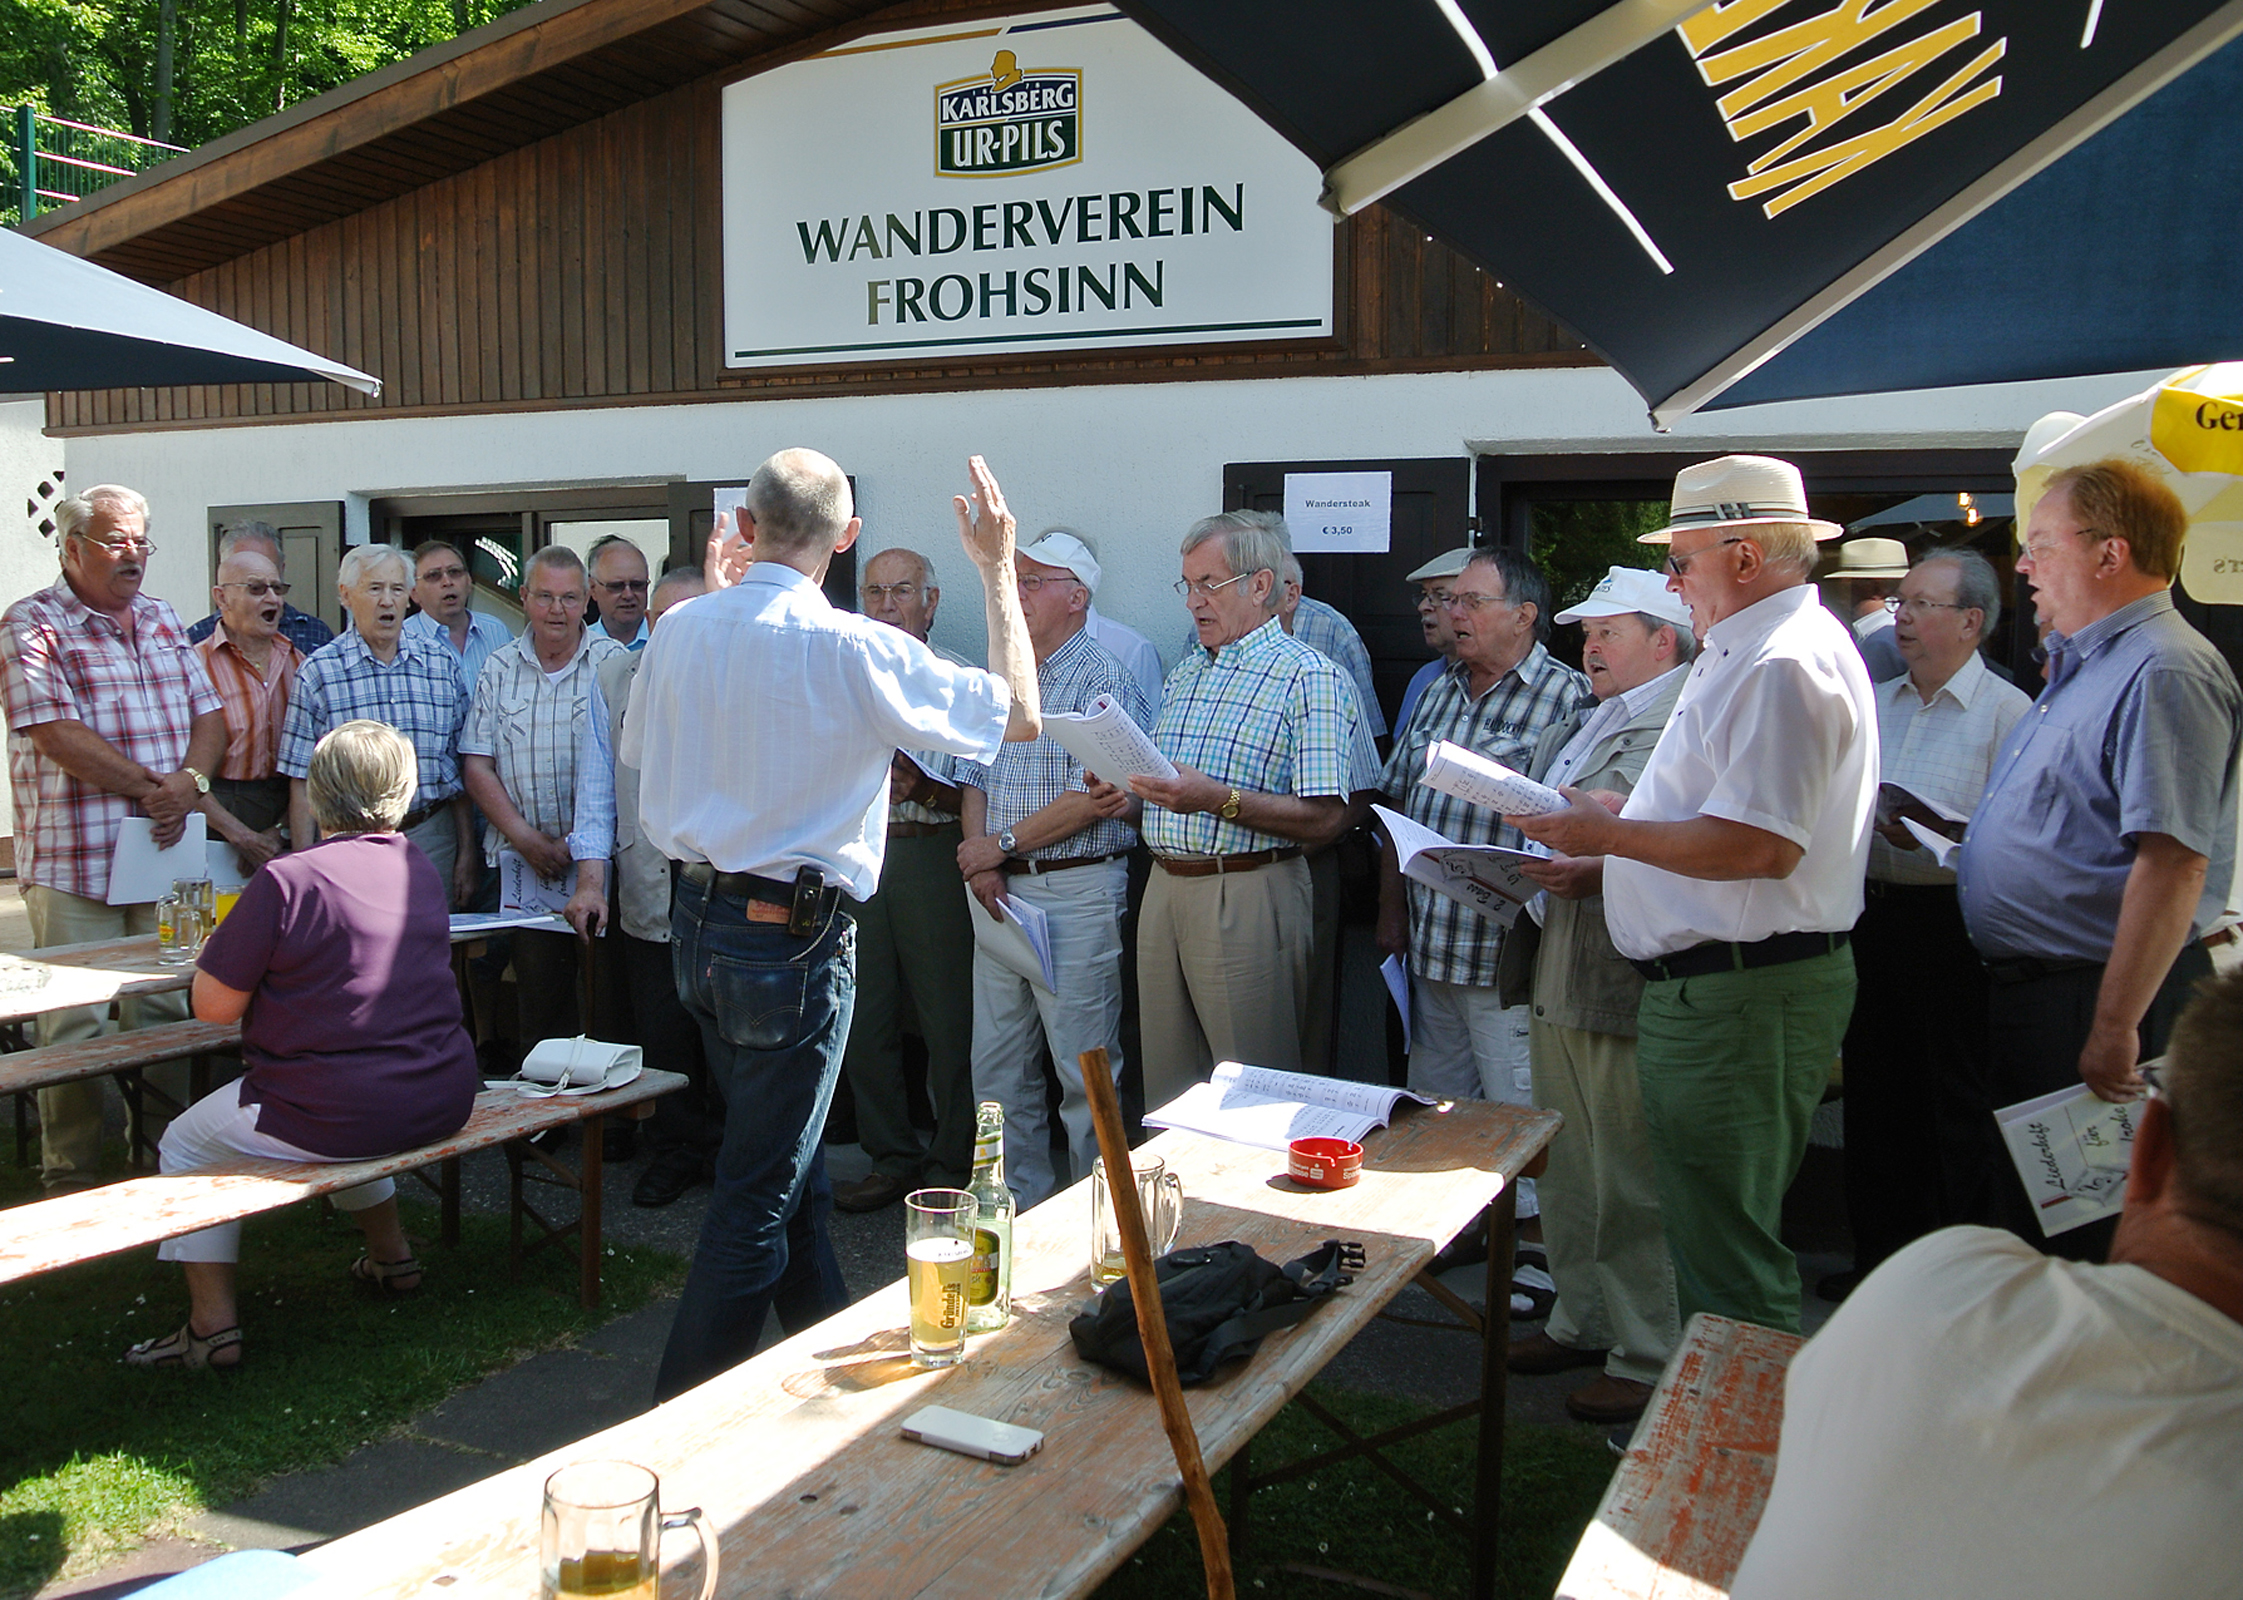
(619, 589)
(441, 588)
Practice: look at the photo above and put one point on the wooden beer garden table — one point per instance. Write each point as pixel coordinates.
(796, 1458)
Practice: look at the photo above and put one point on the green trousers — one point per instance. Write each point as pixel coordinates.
(1733, 1065)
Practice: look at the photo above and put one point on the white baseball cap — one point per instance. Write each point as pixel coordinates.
(1057, 548)
(1630, 589)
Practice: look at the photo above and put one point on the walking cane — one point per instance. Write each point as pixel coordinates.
(1152, 1324)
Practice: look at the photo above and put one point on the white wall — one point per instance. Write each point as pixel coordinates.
(1133, 465)
(28, 562)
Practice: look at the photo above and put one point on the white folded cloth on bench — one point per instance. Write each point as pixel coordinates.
(575, 1066)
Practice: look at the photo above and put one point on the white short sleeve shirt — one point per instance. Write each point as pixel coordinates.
(1776, 728)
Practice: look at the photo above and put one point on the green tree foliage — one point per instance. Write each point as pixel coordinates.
(1577, 541)
(231, 61)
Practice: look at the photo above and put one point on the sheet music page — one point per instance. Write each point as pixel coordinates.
(1487, 878)
(1452, 769)
(1035, 925)
(1269, 1109)
(1106, 741)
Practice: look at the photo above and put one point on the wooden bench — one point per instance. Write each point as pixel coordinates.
(46, 1234)
(122, 1056)
(1683, 1505)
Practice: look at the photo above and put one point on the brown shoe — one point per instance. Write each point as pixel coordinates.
(1609, 1400)
(874, 1192)
(1538, 1354)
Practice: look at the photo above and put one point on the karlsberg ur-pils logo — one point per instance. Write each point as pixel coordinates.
(1008, 120)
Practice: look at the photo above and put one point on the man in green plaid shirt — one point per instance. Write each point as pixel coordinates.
(1498, 695)
(1262, 730)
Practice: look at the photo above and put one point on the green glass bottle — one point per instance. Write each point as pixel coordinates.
(989, 1284)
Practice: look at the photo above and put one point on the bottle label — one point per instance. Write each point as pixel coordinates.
(981, 1274)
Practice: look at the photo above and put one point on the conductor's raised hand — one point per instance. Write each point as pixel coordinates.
(985, 526)
(1586, 827)
(729, 553)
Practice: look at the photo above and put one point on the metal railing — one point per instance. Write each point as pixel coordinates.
(51, 161)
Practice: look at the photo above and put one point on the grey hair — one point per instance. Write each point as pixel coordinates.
(73, 512)
(926, 566)
(1685, 642)
(251, 532)
(800, 501)
(1291, 572)
(360, 560)
(1253, 541)
(1785, 544)
(361, 778)
(1977, 586)
(609, 541)
(555, 555)
(1523, 583)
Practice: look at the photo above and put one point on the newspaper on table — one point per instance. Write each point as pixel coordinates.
(1470, 776)
(1269, 1109)
(1107, 741)
(2072, 1149)
(1487, 878)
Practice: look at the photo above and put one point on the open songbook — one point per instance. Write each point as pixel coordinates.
(1106, 741)
(1485, 877)
(1269, 1109)
(1468, 775)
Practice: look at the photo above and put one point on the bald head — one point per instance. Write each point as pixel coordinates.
(800, 502)
(247, 593)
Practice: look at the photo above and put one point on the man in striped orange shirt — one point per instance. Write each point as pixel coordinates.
(253, 667)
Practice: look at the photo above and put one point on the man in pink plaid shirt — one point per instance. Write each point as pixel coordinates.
(110, 715)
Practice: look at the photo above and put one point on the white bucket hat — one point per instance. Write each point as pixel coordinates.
(1057, 548)
(1625, 591)
(1738, 492)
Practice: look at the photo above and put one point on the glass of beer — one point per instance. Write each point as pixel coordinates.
(601, 1534)
(1160, 1197)
(938, 1253)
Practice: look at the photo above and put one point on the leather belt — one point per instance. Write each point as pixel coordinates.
(1878, 889)
(756, 891)
(1018, 864)
(1216, 866)
(2031, 969)
(413, 819)
(1714, 956)
(918, 830)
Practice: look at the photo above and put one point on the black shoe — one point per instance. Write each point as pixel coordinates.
(875, 1192)
(619, 1141)
(667, 1177)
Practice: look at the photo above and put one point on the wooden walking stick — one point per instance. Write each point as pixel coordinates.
(1152, 1323)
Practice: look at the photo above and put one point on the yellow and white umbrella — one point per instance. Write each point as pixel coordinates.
(2188, 430)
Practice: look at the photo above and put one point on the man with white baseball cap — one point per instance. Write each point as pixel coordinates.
(1600, 1205)
(1733, 878)
(1078, 553)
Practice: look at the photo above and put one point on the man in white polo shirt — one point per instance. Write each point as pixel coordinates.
(1733, 877)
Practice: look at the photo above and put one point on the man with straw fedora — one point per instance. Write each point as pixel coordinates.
(1866, 575)
(1733, 876)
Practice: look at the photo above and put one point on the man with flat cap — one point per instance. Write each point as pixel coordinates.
(1732, 879)
(1432, 581)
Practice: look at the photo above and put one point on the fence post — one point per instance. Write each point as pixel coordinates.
(27, 162)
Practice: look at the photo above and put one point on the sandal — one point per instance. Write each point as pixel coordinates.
(383, 1275)
(188, 1350)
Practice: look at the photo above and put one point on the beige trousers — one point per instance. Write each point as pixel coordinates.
(1222, 973)
(1600, 1205)
(70, 1113)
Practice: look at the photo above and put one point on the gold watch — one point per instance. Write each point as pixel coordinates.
(1228, 811)
(202, 784)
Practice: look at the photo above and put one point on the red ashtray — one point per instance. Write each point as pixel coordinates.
(1324, 1163)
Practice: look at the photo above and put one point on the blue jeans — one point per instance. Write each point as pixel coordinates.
(773, 1010)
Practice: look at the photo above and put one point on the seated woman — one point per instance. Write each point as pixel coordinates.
(337, 962)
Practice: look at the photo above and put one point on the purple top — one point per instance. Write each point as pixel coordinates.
(352, 1038)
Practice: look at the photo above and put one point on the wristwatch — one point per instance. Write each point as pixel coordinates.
(1007, 843)
(202, 784)
(1228, 811)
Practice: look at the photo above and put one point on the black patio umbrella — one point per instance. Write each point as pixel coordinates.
(1741, 200)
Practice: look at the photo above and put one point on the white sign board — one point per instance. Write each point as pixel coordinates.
(1331, 513)
(1061, 182)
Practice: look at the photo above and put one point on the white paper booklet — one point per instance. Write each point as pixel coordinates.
(468, 923)
(140, 874)
(1035, 927)
(1396, 972)
(1941, 847)
(2072, 1150)
(1486, 877)
(521, 889)
(1452, 769)
(1894, 801)
(1270, 1109)
(1106, 741)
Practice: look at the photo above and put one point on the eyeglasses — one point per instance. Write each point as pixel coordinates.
(1192, 586)
(1464, 600)
(1030, 582)
(441, 574)
(2034, 552)
(1433, 597)
(622, 585)
(121, 547)
(876, 594)
(1900, 602)
(257, 588)
(541, 597)
(1680, 565)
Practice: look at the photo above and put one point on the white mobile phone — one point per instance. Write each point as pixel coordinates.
(969, 1435)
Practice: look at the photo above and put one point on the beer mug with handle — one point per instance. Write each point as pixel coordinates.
(601, 1534)
(1160, 1196)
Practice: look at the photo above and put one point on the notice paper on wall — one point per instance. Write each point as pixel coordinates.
(1108, 742)
(1269, 1109)
(1336, 513)
(2072, 1149)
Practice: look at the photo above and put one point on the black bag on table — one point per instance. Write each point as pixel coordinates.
(1220, 1301)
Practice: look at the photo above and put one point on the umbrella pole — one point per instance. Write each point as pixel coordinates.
(1152, 1323)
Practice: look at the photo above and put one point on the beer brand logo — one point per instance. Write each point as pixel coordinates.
(1008, 120)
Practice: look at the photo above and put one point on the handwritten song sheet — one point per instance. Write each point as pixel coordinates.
(1268, 1109)
(2072, 1150)
(1106, 741)
(1486, 877)
(1470, 776)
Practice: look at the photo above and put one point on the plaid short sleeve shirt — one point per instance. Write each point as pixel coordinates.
(256, 703)
(1265, 714)
(418, 693)
(532, 726)
(1449, 943)
(1029, 775)
(63, 661)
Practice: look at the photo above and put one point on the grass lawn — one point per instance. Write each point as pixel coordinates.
(1352, 1517)
(101, 1455)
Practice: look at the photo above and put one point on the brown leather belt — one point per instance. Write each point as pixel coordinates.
(918, 830)
(1216, 866)
(413, 819)
(1018, 864)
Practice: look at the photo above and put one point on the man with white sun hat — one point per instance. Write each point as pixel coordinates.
(1733, 878)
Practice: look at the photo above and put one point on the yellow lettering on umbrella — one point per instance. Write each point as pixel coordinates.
(1787, 55)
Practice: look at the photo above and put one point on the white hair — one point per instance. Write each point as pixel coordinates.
(360, 560)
